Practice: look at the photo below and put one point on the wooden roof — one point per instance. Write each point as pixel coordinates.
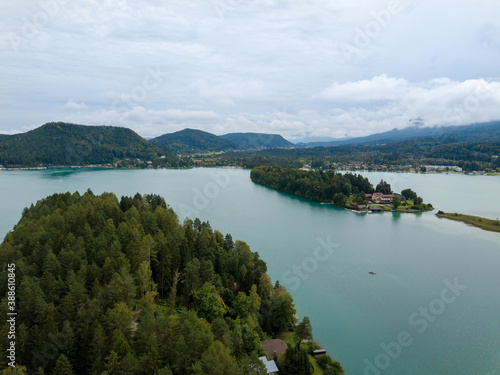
(274, 345)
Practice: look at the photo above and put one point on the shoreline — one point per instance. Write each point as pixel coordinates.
(108, 166)
(473, 221)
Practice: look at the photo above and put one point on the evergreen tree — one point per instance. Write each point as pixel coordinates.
(297, 361)
(63, 366)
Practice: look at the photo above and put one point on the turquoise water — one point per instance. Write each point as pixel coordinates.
(323, 255)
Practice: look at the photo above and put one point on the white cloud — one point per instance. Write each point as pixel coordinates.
(73, 106)
(376, 89)
(263, 65)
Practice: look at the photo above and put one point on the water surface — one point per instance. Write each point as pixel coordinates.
(323, 255)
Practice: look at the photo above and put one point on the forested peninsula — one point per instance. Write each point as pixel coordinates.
(108, 286)
(343, 190)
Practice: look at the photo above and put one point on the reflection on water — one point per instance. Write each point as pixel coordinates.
(66, 172)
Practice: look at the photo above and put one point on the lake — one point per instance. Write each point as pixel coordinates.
(433, 306)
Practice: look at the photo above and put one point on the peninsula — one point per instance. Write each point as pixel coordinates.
(348, 190)
(475, 221)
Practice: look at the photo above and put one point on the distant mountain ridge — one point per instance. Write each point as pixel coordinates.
(192, 141)
(257, 140)
(61, 143)
(471, 133)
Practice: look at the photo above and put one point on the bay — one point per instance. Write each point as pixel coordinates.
(323, 255)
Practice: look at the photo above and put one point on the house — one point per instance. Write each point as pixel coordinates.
(318, 352)
(354, 204)
(274, 346)
(375, 208)
(386, 198)
(362, 207)
(271, 367)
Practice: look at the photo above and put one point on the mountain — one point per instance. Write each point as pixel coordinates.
(192, 140)
(469, 133)
(61, 143)
(257, 140)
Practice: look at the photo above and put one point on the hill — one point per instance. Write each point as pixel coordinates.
(192, 141)
(121, 287)
(257, 140)
(469, 133)
(69, 144)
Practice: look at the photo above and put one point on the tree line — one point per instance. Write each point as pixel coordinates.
(320, 186)
(471, 156)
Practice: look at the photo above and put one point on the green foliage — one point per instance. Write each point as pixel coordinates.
(63, 366)
(470, 153)
(257, 140)
(303, 330)
(192, 140)
(330, 366)
(121, 287)
(476, 221)
(297, 361)
(409, 194)
(283, 316)
(68, 144)
(208, 303)
(396, 201)
(383, 187)
(317, 186)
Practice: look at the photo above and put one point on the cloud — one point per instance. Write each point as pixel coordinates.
(376, 89)
(263, 65)
(73, 106)
(437, 101)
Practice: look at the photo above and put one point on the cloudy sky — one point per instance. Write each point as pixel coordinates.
(300, 68)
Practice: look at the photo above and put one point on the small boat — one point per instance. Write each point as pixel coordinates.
(371, 273)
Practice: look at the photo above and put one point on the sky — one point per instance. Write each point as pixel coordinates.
(304, 69)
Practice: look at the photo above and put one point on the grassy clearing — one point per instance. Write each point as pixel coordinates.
(476, 221)
(408, 208)
(288, 337)
(317, 369)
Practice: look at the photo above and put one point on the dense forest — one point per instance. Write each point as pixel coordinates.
(69, 144)
(317, 186)
(330, 186)
(190, 141)
(257, 140)
(108, 286)
(193, 141)
(471, 156)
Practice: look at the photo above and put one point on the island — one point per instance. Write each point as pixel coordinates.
(476, 221)
(348, 190)
(94, 284)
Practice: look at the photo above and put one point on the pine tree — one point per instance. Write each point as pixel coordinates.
(63, 366)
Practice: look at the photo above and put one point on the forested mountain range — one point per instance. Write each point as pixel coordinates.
(473, 148)
(470, 133)
(68, 144)
(257, 140)
(197, 141)
(190, 141)
(108, 286)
